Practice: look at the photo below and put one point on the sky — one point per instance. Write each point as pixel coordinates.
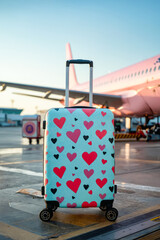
(34, 33)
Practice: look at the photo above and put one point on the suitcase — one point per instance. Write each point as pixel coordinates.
(79, 166)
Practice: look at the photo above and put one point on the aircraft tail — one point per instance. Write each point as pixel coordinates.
(72, 74)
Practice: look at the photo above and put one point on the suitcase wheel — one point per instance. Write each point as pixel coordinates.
(46, 215)
(111, 214)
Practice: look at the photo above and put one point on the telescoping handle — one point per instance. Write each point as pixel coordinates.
(79, 61)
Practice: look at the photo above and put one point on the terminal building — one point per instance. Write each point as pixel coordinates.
(10, 117)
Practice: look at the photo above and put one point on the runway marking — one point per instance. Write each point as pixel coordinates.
(107, 223)
(137, 160)
(18, 162)
(119, 184)
(137, 187)
(10, 150)
(22, 171)
(17, 233)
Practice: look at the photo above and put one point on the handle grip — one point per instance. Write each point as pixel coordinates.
(79, 61)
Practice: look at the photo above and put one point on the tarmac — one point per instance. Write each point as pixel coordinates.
(21, 178)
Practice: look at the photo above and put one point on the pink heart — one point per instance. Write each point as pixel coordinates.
(73, 205)
(103, 171)
(88, 112)
(102, 147)
(88, 125)
(103, 113)
(88, 173)
(72, 156)
(60, 149)
(103, 123)
(102, 196)
(73, 136)
(71, 110)
(60, 199)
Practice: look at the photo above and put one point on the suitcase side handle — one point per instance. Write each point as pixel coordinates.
(79, 61)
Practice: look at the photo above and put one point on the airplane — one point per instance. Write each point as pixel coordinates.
(133, 91)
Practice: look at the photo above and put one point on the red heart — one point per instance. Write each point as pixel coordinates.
(102, 182)
(103, 113)
(90, 143)
(58, 184)
(91, 204)
(59, 122)
(59, 171)
(88, 112)
(73, 135)
(47, 132)
(88, 125)
(90, 192)
(58, 134)
(60, 149)
(102, 196)
(74, 185)
(101, 134)
(104, 161)
(113, 122)
(113, 169)
(46, 181)
(89, 158)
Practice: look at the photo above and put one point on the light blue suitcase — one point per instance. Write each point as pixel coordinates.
(79, 164)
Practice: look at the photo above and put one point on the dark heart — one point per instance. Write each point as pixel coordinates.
(112, 155)
(75, 119)
(73, 147)
(111, 189)
(76, 168)
(86, 186)
(53, 190)
(111, 140)
(73, 197)
(57, 109)
(56, 156)
(104, 153)
(85, 137)
(54, 140)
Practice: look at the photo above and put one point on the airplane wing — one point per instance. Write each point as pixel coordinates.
(79, 96)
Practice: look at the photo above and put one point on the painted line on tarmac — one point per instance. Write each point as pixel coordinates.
(137, 187)
(22, 171)
(103, 224)
(17, 233)
(19, 162)
(119, 184)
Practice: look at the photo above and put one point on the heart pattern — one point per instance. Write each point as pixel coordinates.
(79, 157)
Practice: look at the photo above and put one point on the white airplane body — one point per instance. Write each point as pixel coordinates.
(131, 91)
